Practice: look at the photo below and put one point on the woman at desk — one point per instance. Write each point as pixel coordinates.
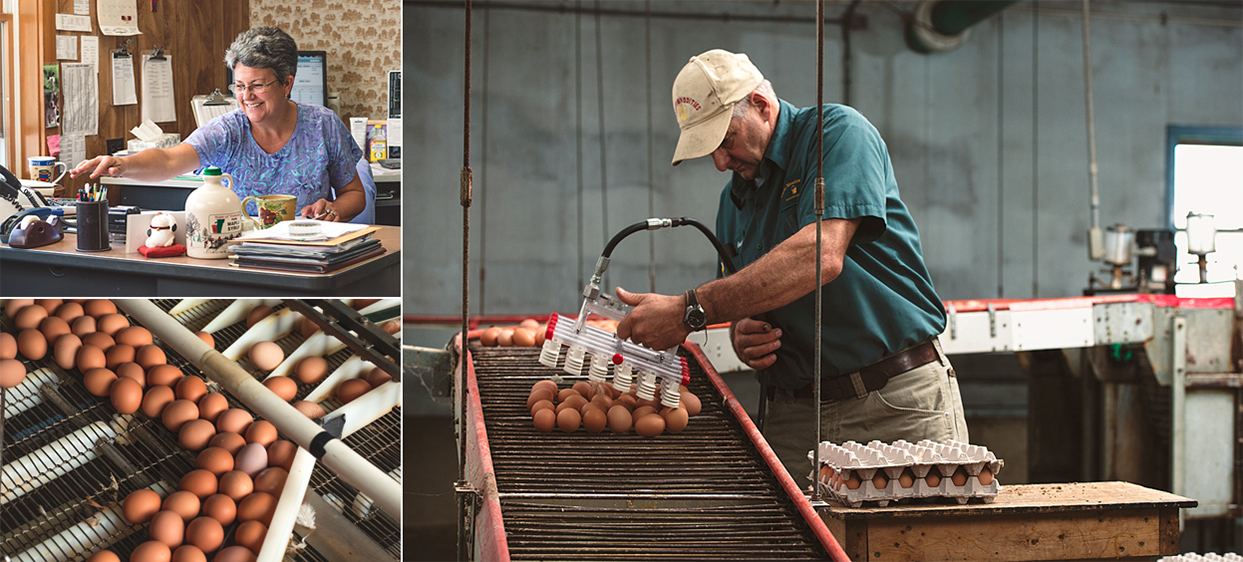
(270, 144)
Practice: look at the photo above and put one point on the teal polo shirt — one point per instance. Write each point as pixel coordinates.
(883, 300)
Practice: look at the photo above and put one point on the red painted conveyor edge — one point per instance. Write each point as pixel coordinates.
(489, 524)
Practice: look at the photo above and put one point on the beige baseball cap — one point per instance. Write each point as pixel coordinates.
(704, 94)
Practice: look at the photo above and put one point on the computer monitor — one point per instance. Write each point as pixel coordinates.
(310, 85)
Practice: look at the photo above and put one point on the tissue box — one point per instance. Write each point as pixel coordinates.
(166, 140)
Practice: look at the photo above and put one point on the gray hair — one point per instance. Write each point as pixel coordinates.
(740, 108)
(264, 47)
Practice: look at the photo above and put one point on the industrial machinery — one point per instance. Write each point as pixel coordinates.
(70, 459)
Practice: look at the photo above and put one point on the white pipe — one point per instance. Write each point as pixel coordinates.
(186, 305)
(276, 326)
(26, 395)
(86, 536)
(337, 456)
(350, 369)
(363, 505)
(368, 407)
(53, 460)
(379, 305)
(236, 312)
(287, 507)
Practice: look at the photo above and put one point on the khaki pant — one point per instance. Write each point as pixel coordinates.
(922, 403)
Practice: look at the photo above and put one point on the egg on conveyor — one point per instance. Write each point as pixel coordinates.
(65, 351)
(249, 535)
(164, 375)
(182, 503)
(235, 554)
(168, 528)
(205, 533)
(28, 318)
(207, 339)
(155, 400)
(134, 336)
(281, 453)
(104, 556)
(251, 459)
(8, 346)
(261, 432)
(198, 482)
(309, 409)
(266, 355)
(12, 372)
(188, 553)
(228, 441)
(234, 420)
(211, 405)
(31, 344)
(350, 390)
(111, 324)
(151, 551)
(258, 506)
(311, 370)
(271, 480)
(140, 506)
(236, 485)
(126, 395)
(98, 381)
(283, 387)
(258, 313)
(195, 435)
(215, 460)
(220, 507)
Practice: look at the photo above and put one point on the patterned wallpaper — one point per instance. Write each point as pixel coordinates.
(362, 38)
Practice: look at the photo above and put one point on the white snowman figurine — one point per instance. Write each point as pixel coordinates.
(162, 231)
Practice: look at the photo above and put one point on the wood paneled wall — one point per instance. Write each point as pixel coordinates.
(195, 33)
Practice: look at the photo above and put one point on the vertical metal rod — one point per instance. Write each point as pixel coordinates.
(461, 384)
(1178, 410)
(1087, 92)
(604, 177)
(815, 488)
(1035, 206)
(578, 128)
(483, 170)
(651, 185)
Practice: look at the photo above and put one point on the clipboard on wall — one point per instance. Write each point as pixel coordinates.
(211, 106)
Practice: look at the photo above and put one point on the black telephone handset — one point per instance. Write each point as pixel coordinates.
(11, 186)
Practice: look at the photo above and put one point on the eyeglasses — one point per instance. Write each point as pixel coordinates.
(256, 89)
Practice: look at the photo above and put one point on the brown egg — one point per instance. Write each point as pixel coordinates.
(207, 339)
(568, 420)
(31, 344)
(281, 453)
(164, 375)
(98, 381)
(853, 482)
(259, 506)
(198, 482)
(168, 528)
(178, 413)
(220, 506)
(541, 334)
(155, 400)
(214, 460)
(98, 308)
(602, 400)
(64, 351)
(959, 477)
(523, 338)
(546, 384)
(98, 339)
(29, 318)
(584, 389)
(90, 357)
(311, 370)
(111, 324)
(119, 353)
(195, 435)
(205, 533)
(8, 346)
(619, 419)
(228, 441)
(986, 476)
(150, 355)
(234, 420)
(82, 326)
(933, 478)
(236, 485)
(377, 377)
(211, 405)
(261, 432)
(879, 480)
(12, 372)
(13, 306)
(542, 405)
(191, 388)
(506, 339)
(132, 371)
(271, 480)
(50, 305)
(69, 312)
(650, 425)
(545, 420)
(575, 402)
(642, 411)
(126, 395)
(350, 390)
(906, 479)
(676, 420)
(594, 420)
(188, 553)
(140, 506)
(183, 503)
(528, 323)
(537, 395)
(104, 556)
(283, 387)
(266, 355)
(258, 313)
(250, 535)
(629, 401)
(236, 553)
(391, 327)
(252, 459)
(310, 409)
(307, 328)
(53, 327)
(134, 336)
(152, 551)
(489, 336)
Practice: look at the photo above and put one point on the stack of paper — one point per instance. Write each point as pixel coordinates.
(341, 245)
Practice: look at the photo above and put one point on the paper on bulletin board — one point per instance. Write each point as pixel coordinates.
(90, 51)
(82, 7)
(80, 85)
(70, 22)
(157, 89)
(117, 17)
(72, 149)
(123, 81)
(66, 47)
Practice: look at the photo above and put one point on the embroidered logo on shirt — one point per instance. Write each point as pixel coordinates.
(791, 191)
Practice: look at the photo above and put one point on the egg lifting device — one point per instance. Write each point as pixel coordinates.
(632, 363)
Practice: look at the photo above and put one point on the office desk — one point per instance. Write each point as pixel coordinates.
(60, 270)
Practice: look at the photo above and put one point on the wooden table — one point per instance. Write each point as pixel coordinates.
(60, 270)
(1078, 521)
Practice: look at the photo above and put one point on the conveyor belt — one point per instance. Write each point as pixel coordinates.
(702, 494)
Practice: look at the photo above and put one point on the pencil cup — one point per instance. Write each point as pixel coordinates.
(93, 226)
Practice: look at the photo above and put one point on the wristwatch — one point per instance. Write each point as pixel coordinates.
(695, 318)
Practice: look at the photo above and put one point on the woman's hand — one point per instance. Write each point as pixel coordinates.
(321, 210)
(100, 166)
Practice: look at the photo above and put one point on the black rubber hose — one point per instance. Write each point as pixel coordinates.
(725, 252)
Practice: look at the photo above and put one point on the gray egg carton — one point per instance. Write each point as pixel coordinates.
(1207, 557)
(851, 462)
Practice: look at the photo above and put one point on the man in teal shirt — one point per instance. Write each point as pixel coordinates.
(884, 374)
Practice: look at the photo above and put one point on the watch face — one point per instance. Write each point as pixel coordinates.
(695, 318)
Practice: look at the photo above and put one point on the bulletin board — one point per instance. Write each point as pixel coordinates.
(194, 34)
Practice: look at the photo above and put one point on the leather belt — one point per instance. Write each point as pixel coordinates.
(873, 377)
